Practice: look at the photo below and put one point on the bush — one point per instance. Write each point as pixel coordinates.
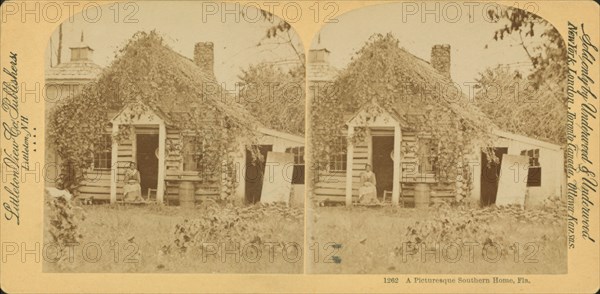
(460, 224)
(229, 224)
(64, 224)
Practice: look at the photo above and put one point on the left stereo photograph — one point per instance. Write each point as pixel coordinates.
(174, 142)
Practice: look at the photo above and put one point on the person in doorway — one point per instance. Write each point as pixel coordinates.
(132, 191)
(368, 186)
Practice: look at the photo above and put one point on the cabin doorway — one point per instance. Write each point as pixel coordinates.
(147, 161)
(255, 169)
(490, 175)
(383, 165)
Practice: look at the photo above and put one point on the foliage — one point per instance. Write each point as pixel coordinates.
(279, 25)
(548, 58)
(230, 224)
(376, 241)
(131, 238)
(275, 97)
(534, 106)
(466, 224)
(518, 106)
(383, 76)
(64, 226)
(75, 124)
(147, 75)
(279, 31)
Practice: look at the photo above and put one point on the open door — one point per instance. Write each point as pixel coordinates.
(512, 184)
(383, 165)
(254, 174)
(147, 161)
(277, 184)
(490, 175)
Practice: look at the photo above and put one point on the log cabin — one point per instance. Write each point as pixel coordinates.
(404, 158)
(166, 152)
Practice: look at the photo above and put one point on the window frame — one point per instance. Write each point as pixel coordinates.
(341, 158)
(428, 143)
(534, 164)
(107, 141)
(183, 155)
(299, 164)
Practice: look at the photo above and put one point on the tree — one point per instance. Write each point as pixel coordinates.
(548, 58)
(273, 91)
(534, 105)
(274, 96)
(279, 33)
(517, 105)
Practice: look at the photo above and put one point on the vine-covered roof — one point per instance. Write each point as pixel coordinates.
(385, 73)
(146, 70)
(147, 74)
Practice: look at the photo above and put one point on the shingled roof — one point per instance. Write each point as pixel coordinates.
(74, 70)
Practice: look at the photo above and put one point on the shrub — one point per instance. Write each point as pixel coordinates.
(64, 224)
(229, 223)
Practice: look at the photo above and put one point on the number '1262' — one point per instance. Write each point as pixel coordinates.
(390, 280)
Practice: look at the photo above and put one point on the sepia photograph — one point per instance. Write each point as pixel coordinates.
(176, 142)
(351, 146)
(437, 143)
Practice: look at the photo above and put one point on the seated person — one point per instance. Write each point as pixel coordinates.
(367, 193)
(132, 190)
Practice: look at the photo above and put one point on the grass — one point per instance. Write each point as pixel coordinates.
(371, 242)
(135, 239)
(359, 240)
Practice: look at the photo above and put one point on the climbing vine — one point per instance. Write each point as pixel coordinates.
(384, 77)
(147, 75)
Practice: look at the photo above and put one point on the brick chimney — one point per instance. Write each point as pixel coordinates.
(204, 56)
(440, 59)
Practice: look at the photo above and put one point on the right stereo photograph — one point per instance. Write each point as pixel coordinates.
(437, 144)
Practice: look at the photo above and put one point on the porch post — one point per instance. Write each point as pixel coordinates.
(240, 174)
(349, 163)
(114, 155)
(396, 177)
(160, 187)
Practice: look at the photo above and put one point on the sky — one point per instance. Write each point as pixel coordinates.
(467, 38)
(236, 48)
(182, 26)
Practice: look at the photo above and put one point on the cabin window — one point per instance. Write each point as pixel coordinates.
(427, 155)
(534, 176)
(298, 174)
(337, 159)
(192, 151)
(103, 153)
